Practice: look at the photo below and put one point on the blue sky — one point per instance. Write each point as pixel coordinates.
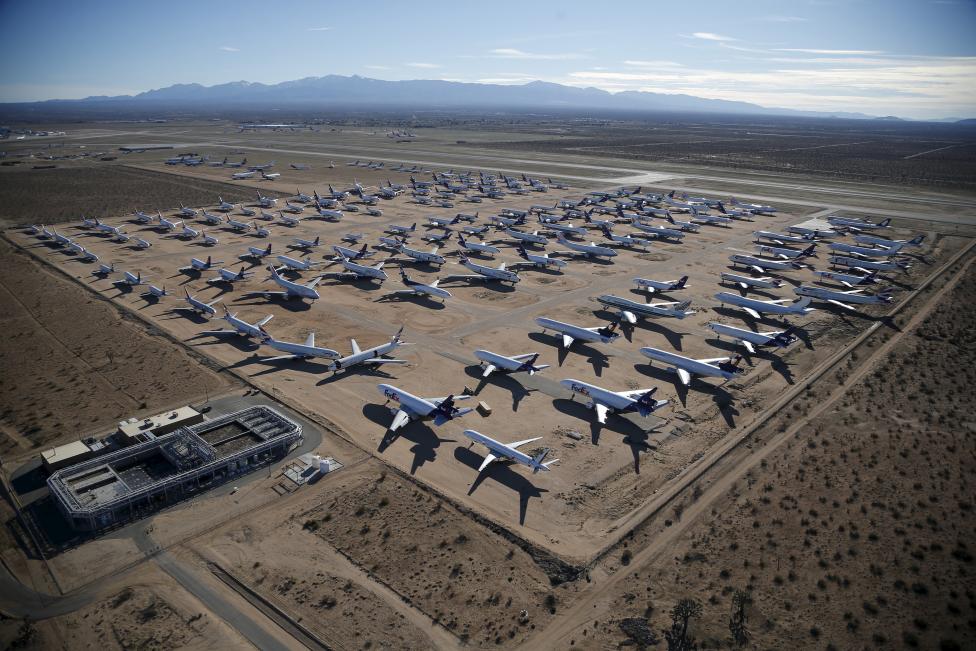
(907, 58)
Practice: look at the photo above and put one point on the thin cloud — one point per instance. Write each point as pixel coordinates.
(318, 29)
(783, 19)
(372, 67)
(423, 65)
(652, 64)
(709, 36)
(817, 51)
(512, 53)
(227, 48)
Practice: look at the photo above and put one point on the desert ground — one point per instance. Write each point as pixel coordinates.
(333, 556)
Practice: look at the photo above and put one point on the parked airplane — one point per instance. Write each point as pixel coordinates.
(745, 282)
(482, 272)
(141, 243)
(492, 362)
(856, 224)
(571, 333)
(186, 212)
(787, 254)
(212, 218)
(869, 265)
(261, 168)
(257, 253)
(290, 289)
(752, 207)
(630, 311)
(844, 298)
(476, 247)
(531, 238)
(626, 240)
(781, 238)
(685, 367)
(863, 251)
(417, 288)
(659, 232)
(814, 233)
(848, 280)
(412, 408)
(425, 257)
(589, 250)
(401, 230)
(509, 452)
(199, 265)
(129, 278)
(155, 291)
(652, 286)
(897, 245)
(189, 233)
(439, 239)
(371, 356)
(104, 270)
(539, 260)
(167, 225)
(209, 240)
(750, 339)
(229, 276)
(266, 202)
(240, 176)
(240, 326)
(755, 307)
(763, 264)
(704, 218)
(307, 350)
(351, 254)
(297, 265)
(238, 225)
(300, 243)
(606, 402)
(356, 271)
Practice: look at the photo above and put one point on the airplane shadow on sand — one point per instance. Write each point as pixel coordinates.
(503, 473)
(360, 369)
(775, 361)
(634, 435)
(290, 304)
(722, 398)
(273, 366)
(598, 360)
(423, 439)
(504, 381)
(366, 285)
(627, 329)
(417, 299)
(240, 343)
(186, 313)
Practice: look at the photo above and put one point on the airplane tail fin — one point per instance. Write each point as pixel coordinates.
(721, 208)
(916, 241)
(538, 464)
(801, 302)
(681, 282)
(884, 223)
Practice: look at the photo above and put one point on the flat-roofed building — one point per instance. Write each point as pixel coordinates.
(135, 431)
(66, 455)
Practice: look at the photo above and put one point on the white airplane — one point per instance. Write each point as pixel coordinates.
(755, 307)
(630, 311)
(168, 225)
(509, 452)
(209, 240)
(780, 238)
(897, 245)
(371, 356)
(270, 177)
(352, 254)
(750, 339)
(238, 225)
(185, 212)
(330, 215)
(199, 265)
(129, 278)
(844, 298)
(626, 240)
(198, 306)
(289, 289)
(571, 333)
(293, 208)
(685, 367)
(478, 231)
(481, 272)
(554, 225)
(76, 248)
(814, 233)
(704, 218)
(659, 231)
(104, 270)
(869, 265)
(266, 216)
(189, 233)
(848, 280)
(412, 408)
(155, 291)
(606, 402)
(788, 254)
(288, 220)
(224, 206)
(240, 176)
(88, 256)
(87, 222)
(492, 362)
(229, 276)
(297, 265)
(438, 239)
(299, 243)
(301, 196)
(266, 202)
(213, 218)
(531, 238)
(589, 250)
(142, 244)
(538, 260)
(418, 288)
(257, 253)
(443, 222)
(356, 271)
(476, 247)
(247, 212)
(401, 230)
(651, 286)
(426, 257)
(855, 224)
(757, 208)
(141, 218)
(353, 238)
(745, 282)
(762, 264)
(863, 251)
(307, 350)
(240, 326)
(262, 231)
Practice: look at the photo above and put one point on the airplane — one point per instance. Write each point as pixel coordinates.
(531, 238)
(239, 226)
(301, 196)
(288, 220)
(87, 222)
(262, 231)
(703, 218)
(869, 265)
(185, 212)
(475, 230)
(212, 218)
(188, 233)
(293, 208)
(755, 307)
(307, 350)
(104, 270)
(128, 278)
(261, 168)
(626, 240)
(257, 253)
(240, 176)
(401, 230)
(199, 265)
(606, 402)
(120, 237)
(659, 231)
(515, 364)
(509, 452)
(476, 247)
(353, 238)
(155, 291)
(630, 311)
(168, 225)
(897, 245)
(142, 244)
(240, 163)
(651, 286)
(297, 265)
(438, 239)
(209, 240)
(781, 238)
(501, 221)
(306, 244)
(299, 166)
(371, 356)
(229, 276)
(416, 288)
(224, 206)
(745, 282)
(814, 233)
(356, 271)
(352, 254)
(553, 225)
(290, 289)
(863, 251)
(330, 215)
(589, 250)
(571, 333)
(482, 272)
(75, 247)
(412, 408)
(240, 326)
(426, 257)
(844, 298)
(443, 222)
(88, 256)
(270, 177)
(752, 207)
(198, 306)
(788, 254)
(685, 367)
(374, 212)
(265, 202)
(762, 264)
(750, 339)
(855, 224)
(848, 280)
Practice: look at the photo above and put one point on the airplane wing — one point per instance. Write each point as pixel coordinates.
(843, 305)
(743, 285)
(601, 413)
(751, 312)
(280, 357)
(715, 360)
(524, 357)
(260, 293)
(757, 268)
(567, 341)
(355, 347)
(218, 332)
(488, 459)
(517, 444)
(264, 320)
(438, 401)
(781, 300)
(399, 420)
(632, 394)
(488, 370)
(684, 376)
(464, 277)
(748, 346)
